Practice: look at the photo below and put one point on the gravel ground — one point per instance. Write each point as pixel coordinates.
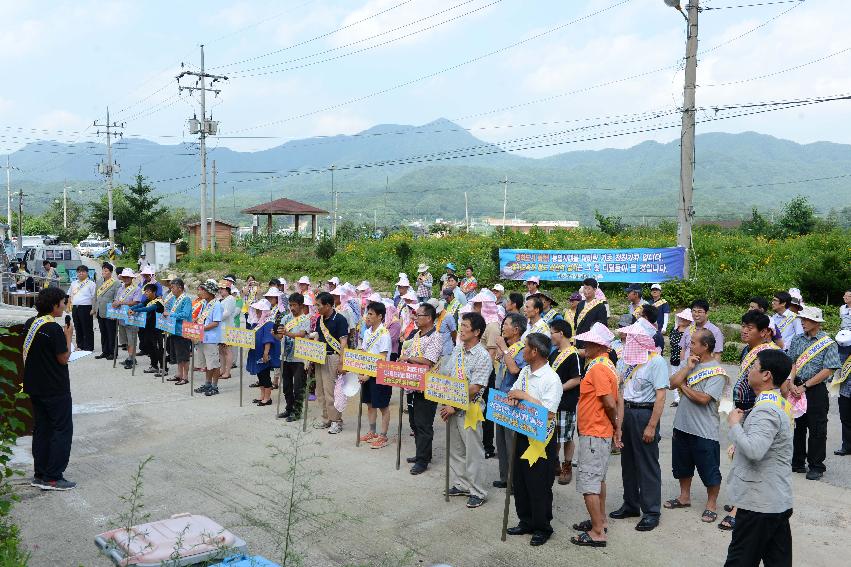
(205, 455)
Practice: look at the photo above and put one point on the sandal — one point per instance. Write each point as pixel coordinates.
(266, 403)
(709, 516)
(223, 377)
(585, 540)
(728, 523)
(586, 526)
(181, 382)
(172, 379)
(675, 503)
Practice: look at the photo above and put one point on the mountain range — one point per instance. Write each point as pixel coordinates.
(392, 172)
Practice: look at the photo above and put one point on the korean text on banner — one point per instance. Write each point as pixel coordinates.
(167, 324)
(137, 319)
(192, 331)
(528, 419)
(633, 265)
(235, 336)
(361, 362)
(312, 351)
(447, 390)
(114, 312)
(401, 375)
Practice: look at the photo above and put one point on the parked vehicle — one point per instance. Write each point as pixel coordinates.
(92, 247)
(64, 255)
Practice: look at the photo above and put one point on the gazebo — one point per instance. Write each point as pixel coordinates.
(286, 207)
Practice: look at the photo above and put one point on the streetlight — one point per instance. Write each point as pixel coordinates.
(675, 4)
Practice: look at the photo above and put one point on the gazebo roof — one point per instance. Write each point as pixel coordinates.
(284, 207)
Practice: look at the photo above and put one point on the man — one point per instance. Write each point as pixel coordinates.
(501, 299)
(588, 311)
(533, 309)
(760, 481)
(700, 314)
(143, 263)
(423, 348)
(845, 311)
(424, 283)
(229, 311)
(570, 311)
(843, 379)
(484, 303)
(759, 303)
(565, 361)
(597, 424)
(816, 358)
(333, 330)
(634, 300)
(47, 347)
(515, 303)
(104, 297)
(550, 313)
(207, 357)
(295, 324)
(644, 385)
(533, 479)
(128, 294)
(376, 396)
(179, 347)
(533, 283)
(467, 453)
(81, 295)
(785, 319)
(510, 362)
(452, 285)
(695, 442)
(662, 306)
(49, 274)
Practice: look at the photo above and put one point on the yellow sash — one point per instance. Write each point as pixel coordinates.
(750, 357)
(549, 316)
(104, 287)
(380, 332)
(38, 322)
(127, 292)
(637, 311)
(536, 449)
(252, 294)
(775, 398)
(541, 327)
(586, 309)
(177, 303)
(844, 372)
(631, 370)
(329, 340)
(602, 359)
(695, 378)
(812, 351)
(781, 326)
(294, 322)
(562, 356)
(453, 306)
(474, 412)
(660, 303)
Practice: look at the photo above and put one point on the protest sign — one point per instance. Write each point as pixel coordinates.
(401, 375)
(447, 390)
(528, 419)
(312, 351)
(114, 312)
(361, 362)
(235, 336)
(167, 324)
(192, 331)
(136, 319)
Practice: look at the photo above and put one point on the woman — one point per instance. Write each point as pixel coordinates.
(249, 294)
(266, 354)
(469, 285)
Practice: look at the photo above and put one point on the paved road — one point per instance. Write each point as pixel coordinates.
(205, 451)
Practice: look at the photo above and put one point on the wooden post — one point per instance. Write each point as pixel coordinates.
(399, 436)
(295, 223)
(313, 226)
(509, 484)
(269, 227)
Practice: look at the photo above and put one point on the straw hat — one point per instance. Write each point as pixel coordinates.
(811, 313)
(422, 268)
(599, 334)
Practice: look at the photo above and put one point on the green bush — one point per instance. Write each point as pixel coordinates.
(325, 250)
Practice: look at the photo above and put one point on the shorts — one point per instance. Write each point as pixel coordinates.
(593, 463)
(207, 356)
(179, 349)
(566, 422)
(375, 394)
(264, 377)
(127, 334)
(690, 451)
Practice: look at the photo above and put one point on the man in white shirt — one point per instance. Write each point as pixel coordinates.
(533, 309)
(376, 340)
(82, 294)
(537, 384)
(785, 319)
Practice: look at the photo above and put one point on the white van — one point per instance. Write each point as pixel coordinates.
(64, 255)
(90, 247)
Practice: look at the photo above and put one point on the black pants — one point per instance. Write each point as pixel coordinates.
(422, 412)
(845, 418)
(107, 335)
(292, 381)
(150, 341)
(533, 487)
(84, 326)
(814, 421)
(487, 426)
(642, 476)
(760, 537)
(52, 433)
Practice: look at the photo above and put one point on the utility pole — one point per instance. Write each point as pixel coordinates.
(333, 205)
(213, 224)
(65, 205)
(685, 211)
(8, 193)
(20, 243)
(466, 213)
(108, 169)
(504, 201)
(204, 127)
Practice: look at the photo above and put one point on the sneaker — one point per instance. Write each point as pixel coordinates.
(379, 442)
(293, 417)
(368, 438)
(455, 491)
(127, 364)
(474, 502)
(203, 388)
(213, 390)
(335, 428)
(322, 425)
(61, 484)
(151, 370)
(37, 481)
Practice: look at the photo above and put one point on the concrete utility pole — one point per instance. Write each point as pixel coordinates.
(8, 193)
(20, 242)
(65, 205)
(466, 213)
(108, 169)
(213, 223)
(685, 211)
(333, 205)
(205, 127)
(504, 201)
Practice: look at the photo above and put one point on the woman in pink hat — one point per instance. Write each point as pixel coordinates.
(266, 354)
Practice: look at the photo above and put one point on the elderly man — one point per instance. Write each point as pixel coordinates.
(81, 295)
(510, 361)
(700, 314)
(635, 301)
(533, 283)
(533, 309)
(129, 294)
(816, 358)
(424, 283)
(104, 296)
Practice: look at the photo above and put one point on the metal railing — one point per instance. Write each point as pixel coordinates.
(9, 280)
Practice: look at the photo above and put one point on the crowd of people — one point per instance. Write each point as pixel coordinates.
(604, 386)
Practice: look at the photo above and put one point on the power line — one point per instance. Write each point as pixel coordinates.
(706, 8)
(779, 72)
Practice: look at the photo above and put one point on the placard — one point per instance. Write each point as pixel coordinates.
(136, 319)
(235, 336)
(312, 351)
(192, 331)
(401, 375)
(361, 362)
(167, 324)
(528, 419)
(447, 390)
(114, 312)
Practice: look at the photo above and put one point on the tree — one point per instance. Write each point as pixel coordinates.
(758, 225)
(144, 206)
(611, 225)
(799, 217)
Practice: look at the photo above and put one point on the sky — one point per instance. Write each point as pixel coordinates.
(505, 69)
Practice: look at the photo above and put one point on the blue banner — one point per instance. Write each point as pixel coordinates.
(528, 419)
(632, 265)
(167, 324)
